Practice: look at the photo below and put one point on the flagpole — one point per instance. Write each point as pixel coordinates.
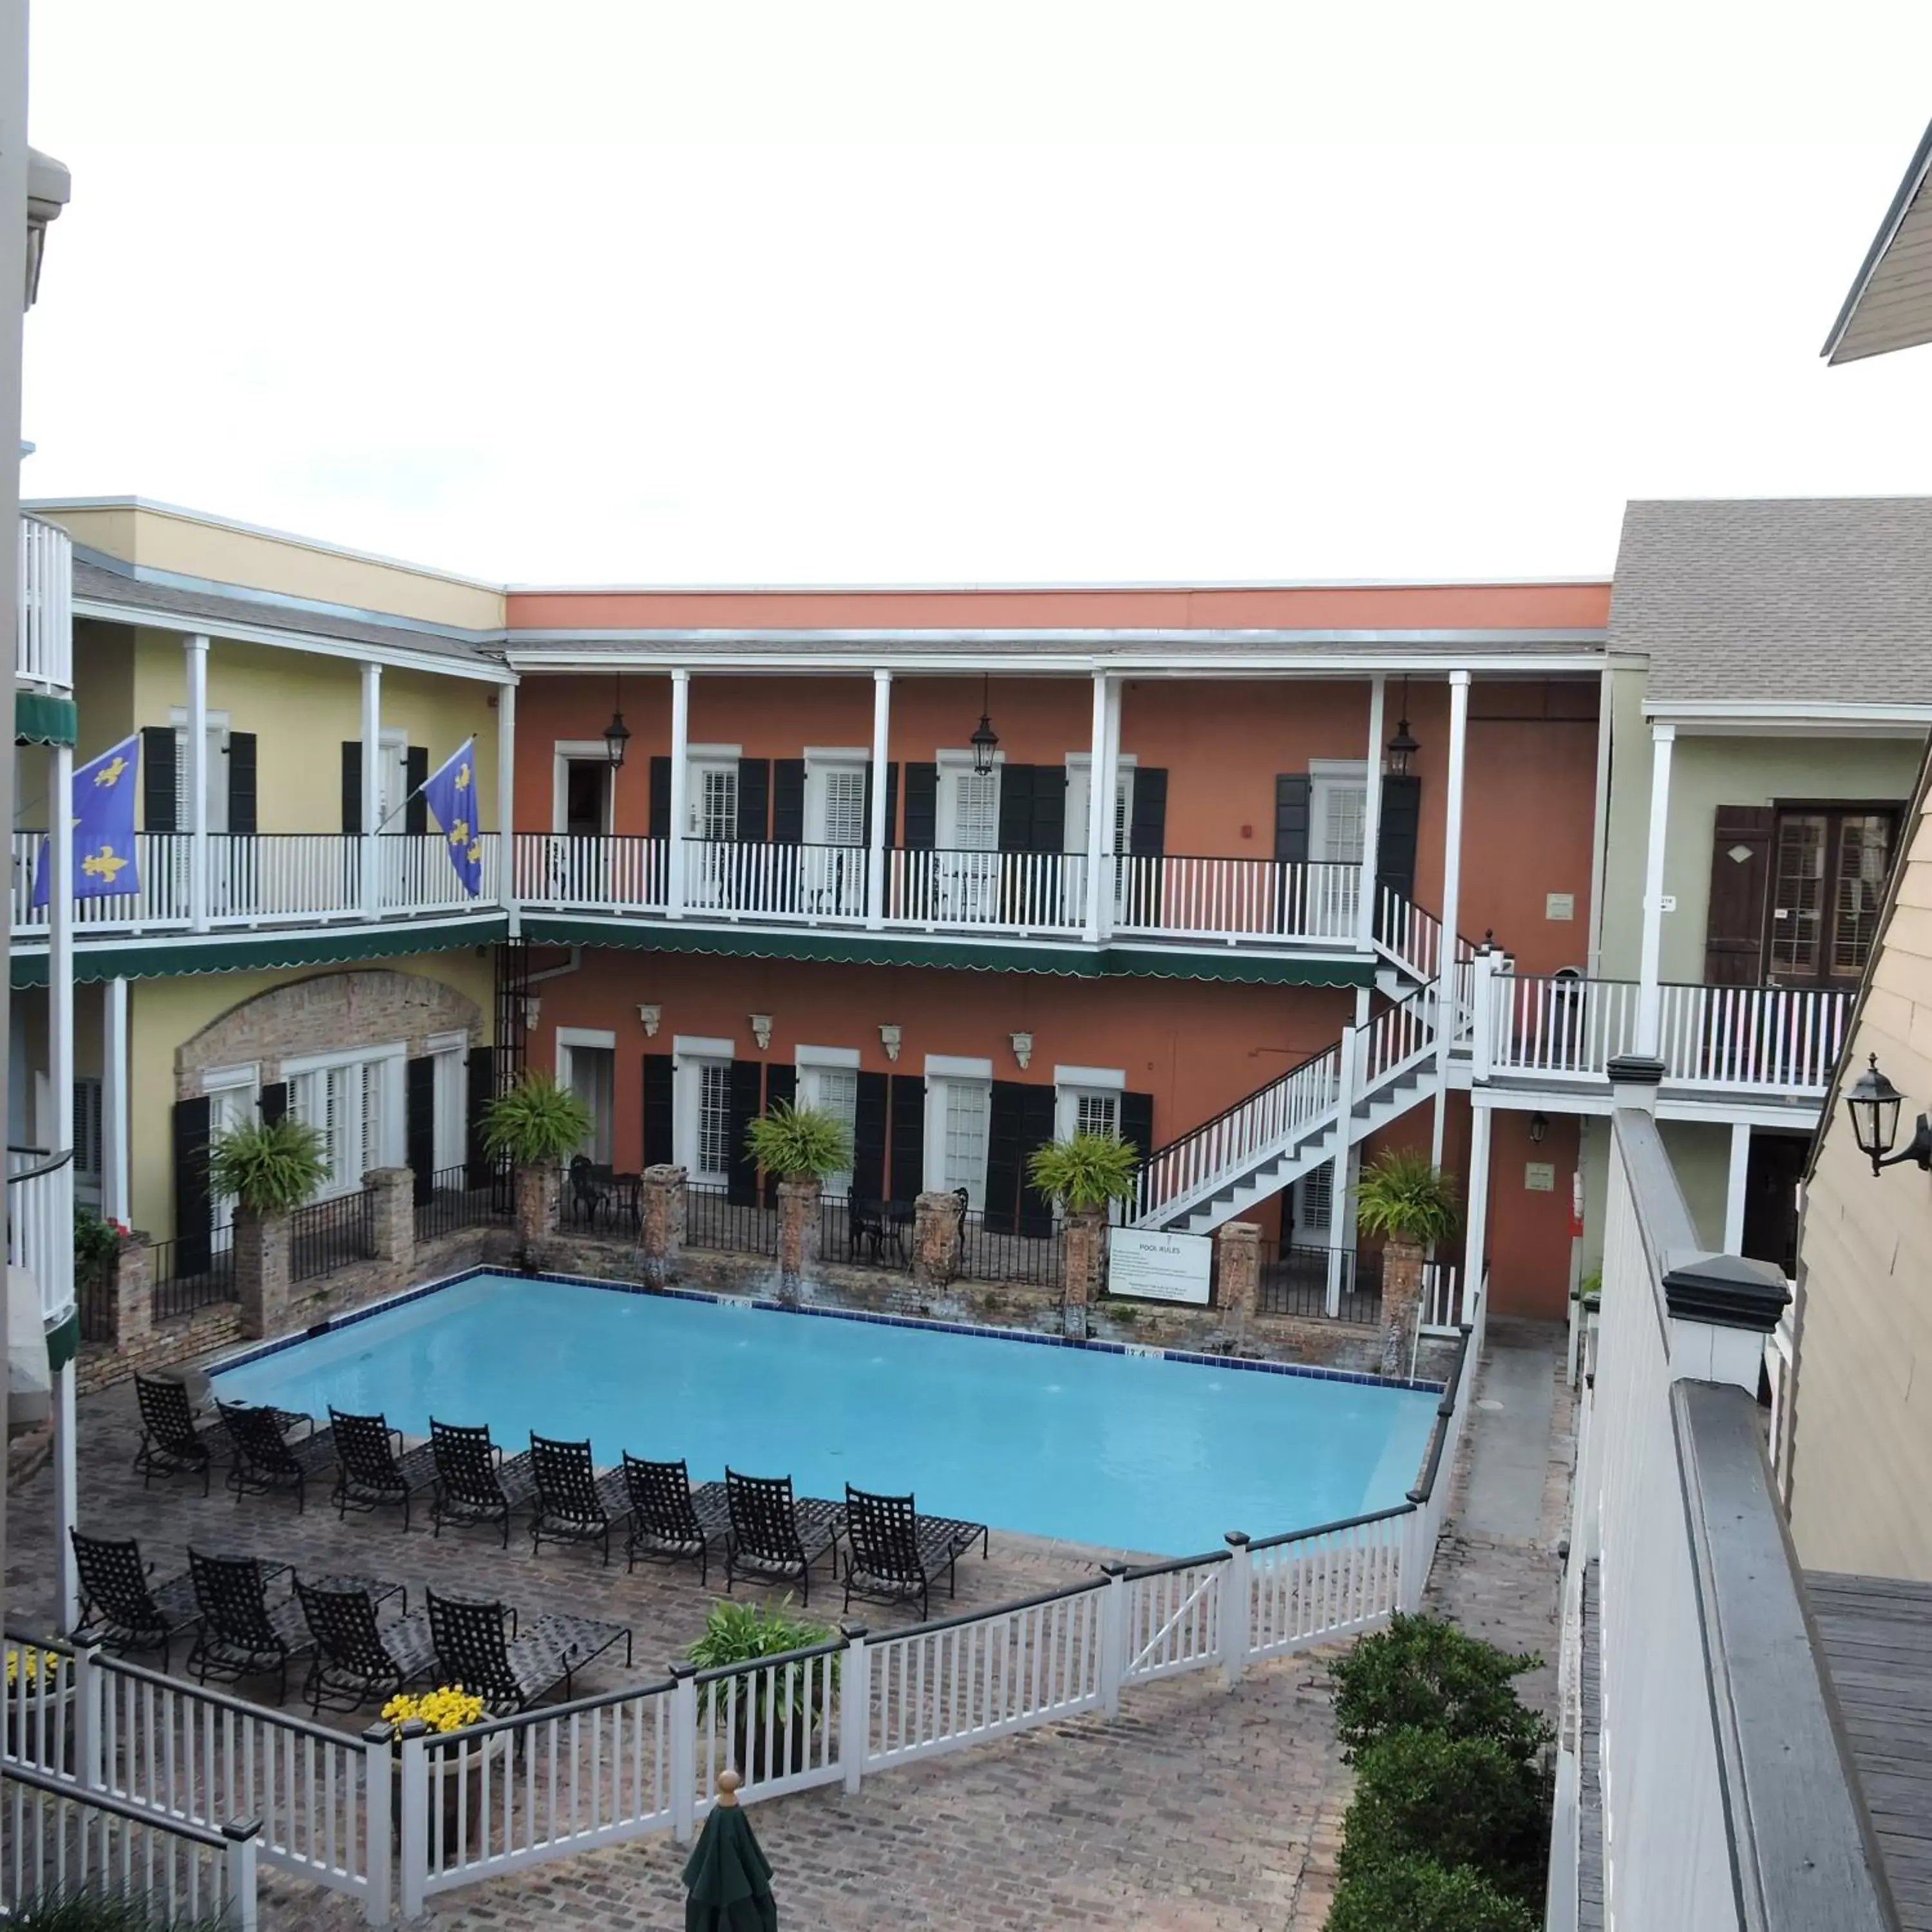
(468, 743)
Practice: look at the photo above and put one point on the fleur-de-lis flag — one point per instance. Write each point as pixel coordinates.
(104, 861)
(451, 794)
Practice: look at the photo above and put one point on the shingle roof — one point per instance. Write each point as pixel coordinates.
(1804, 600)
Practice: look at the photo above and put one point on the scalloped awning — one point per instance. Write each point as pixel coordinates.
(39, 719)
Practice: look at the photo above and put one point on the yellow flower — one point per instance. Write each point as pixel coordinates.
(448, 1708)
(30, 1663)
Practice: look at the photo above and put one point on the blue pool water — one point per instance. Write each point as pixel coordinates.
(1127, 1452)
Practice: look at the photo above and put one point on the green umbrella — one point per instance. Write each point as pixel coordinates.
(728, 1876)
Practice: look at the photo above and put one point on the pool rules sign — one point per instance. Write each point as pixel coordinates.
(1151, 1265)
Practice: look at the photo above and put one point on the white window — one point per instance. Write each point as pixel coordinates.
(1086, 1100)
(958, 1110)
(713, 1161)
(216, 787)
(701, 1107)
(714, 802)
(450, 1091)
(1338, 805)
(1079, 779)
(969, 809)
(87, 1132)
(835, 798)
(1314, 1206)
(354, 1101)
(833, 1090)
(587, 1063)
(233, 1095)
(1097, 1113)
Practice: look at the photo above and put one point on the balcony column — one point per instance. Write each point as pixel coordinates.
(1350, 1065)
(115, 1204)
(57, 1293)
(195, 651)
(506, 802)
(1098, 816)
(1476, 1222)
(372, 788)
(1649, 993)
(1452, 893)
(1372, 814)
(879, 833)
(680, 788)
(1733, 1242)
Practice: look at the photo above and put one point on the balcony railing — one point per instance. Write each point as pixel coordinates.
(43, 625)
(40, 1224)
(294, 878)
(1560, 1027)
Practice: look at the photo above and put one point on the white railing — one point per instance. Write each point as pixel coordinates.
(986, 892)
(762, 881)
(1560, 1026)
(1407, 934)
(623, 874)
(43, 617)
(1236, 898)
(39, 1224)
(1442, 1309)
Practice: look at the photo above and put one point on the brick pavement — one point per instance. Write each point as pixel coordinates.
(1201, 1809)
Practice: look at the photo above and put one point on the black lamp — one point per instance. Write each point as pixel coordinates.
(616, 733)
(985, 741)
(1539, 1126)
(1402, 746)
(1873, 1104)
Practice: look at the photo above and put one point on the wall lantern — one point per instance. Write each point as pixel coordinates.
(1539, 1126)
(1022, 1049)
(652, 1016)
(888, 1038)
(616, 733)
(985, 740)
(1402, 746)
(761, 1029)
(1873, 1104)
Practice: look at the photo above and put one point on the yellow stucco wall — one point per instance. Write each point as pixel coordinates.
(163, 1013)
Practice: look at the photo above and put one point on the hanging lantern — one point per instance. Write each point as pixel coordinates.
(985, 741)
(616, 733)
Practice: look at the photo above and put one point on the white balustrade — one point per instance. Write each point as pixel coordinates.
(1559, 1026)
(621, 875)
(760, 880)
(43, 617)
(1173, 1617)
(1409, 935)
(1441, 1300)
(40, 1225)
(1178, 897)
(1320, 1584)
(985, 892)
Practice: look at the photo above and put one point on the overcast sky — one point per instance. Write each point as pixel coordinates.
(1042, 291)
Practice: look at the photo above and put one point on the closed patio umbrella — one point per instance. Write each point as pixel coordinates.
(726, 1875)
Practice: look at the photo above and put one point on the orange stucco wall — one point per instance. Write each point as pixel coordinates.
(1529, 1231)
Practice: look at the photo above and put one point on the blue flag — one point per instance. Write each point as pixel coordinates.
(103, 827)
(450, 793)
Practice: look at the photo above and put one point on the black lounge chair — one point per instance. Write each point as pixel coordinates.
(372, 1470)
(894, 1554)
(172, 1442)
(574, 1505)
(265, 1460)
(357, 1660)
(774, 1535)
(671, 1523)
(474, 1483)
(241, 1635)
(510, 1673)
(120, 1608)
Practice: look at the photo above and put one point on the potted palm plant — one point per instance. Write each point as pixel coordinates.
(1407, 1200)
(802, 1146)
(1086, 1174)
(268, 1168)
(535, 1126)
(769, 1714)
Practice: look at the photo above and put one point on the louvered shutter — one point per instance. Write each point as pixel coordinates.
(415, 772)
(788, 801)
(352, 786)
(1137, 1123)
(1017, 785)
(1290, 818)
(419, 1124)
(660, 788)
(754, 792)
(922, 807)
(158, 812)
(660, 1140)
(1401, 829)
(868, 1138)
(741, 1176)
(1740, 886)
(781, 1088)
(907, 1106)
(242, 788)
(192, 1247)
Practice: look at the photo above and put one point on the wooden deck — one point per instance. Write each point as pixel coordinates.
(1877, 1635)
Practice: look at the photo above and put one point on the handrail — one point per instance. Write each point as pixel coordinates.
(576, 1707)
(215, 1838)
(716, 1673)
(1235, 1107)
(1445, 1410)
(59, 1161)
(1066, 1591)
(1332, 1528)
(1134, 1573)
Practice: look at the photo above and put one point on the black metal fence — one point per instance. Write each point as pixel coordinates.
(191, 1274)
(866, 1234)
(711, 1219)
(990, 1254)
(330, 1234)
(95, 1300)
(1294, 1281)
(463, 1197)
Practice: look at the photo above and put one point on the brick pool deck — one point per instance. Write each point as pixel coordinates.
(1201, 1809)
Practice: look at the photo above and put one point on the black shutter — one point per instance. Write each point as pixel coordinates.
(1016, 794)
(1147, 830)
(415, 772)
(922, 807)
(242, 810)
(1734, 920)
(661, 803)
(1401, 826)
(1003, 1156)
(419, 1123)
(1290, 818)
(193, 1248)
(907, 1105)
(891, 804)
(351, 785)
(1035, 1217)
(157, 778)
(788, 802)
(660, 1137)
(780, 1085)
(1049, 809)
(868, 1139)
(754, 797)
(1137, 1123)
(274, 1101)
(741, 1176)
(482, 1074)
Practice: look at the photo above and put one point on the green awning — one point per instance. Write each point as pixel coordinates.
(39, 719)
(63, 1340)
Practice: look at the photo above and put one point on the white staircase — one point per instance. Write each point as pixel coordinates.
(1228, 1165)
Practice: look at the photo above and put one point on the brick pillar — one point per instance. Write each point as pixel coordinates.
(131, 1307)
(261, 1272)
(798, 1235)
(392, 1213)
(1402, 1293)
(1237, 1253)
(537, 1188)
(1083, 1251)
(935, 1239)
(661, 1211)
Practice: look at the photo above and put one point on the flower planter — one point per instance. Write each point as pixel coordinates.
(39, 1729)
(456, 1768)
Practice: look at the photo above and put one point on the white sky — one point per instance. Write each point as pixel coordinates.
(973, 291)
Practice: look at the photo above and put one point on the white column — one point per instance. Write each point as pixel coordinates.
(372, 787)
(1341, 1223)
(1600, 834)
(506, 805)
(115, 1201)
(680, 788)
(1476, 1225)
(1371, 814)
(1107, 782)
(1734, 1189)
(1452, 893)
(57, 1293)
(1649, 997)
(1098, 816)
(195, 649)
(879, 833)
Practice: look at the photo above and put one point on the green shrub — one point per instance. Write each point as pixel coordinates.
(1419, 1895)
(1086, 1170)
(98, 1912)
(271, 1167)
(1421, 1673)
(96, 1245)
(1459, 1801)
(1405, 1197)
(535, 1122)
(800, 1143)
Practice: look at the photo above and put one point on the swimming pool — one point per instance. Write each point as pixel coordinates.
(1129, 1452)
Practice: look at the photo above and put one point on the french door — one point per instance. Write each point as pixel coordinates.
(714, 822)
(968, 860)
(1829, 866)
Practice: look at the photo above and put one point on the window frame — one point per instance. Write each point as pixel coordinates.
(1836, 811)
(822, 763)
(387, 1061)
(690, 1054)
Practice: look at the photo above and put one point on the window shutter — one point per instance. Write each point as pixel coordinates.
(754, 793)
(87, 1126)
(241, 811)
(1049, 809)
(1290, 818)
(922, 807)
(1401, 827)
(193, 1248)
(1017, 785)
(1003, 1156)
(891, 804)
(741, 1177)
(1147, 830)
(788, 802)
(906, 1103)
(1137, 1123)
(1740, 885)
(415, 772)
(273, 1101)
(781, 1084)
(419, 1124)
(157, 779)
(660, 1147)
(661, 803)
(351, 785)
(482, 1089)
(1036, 1214)
(868, 1139)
